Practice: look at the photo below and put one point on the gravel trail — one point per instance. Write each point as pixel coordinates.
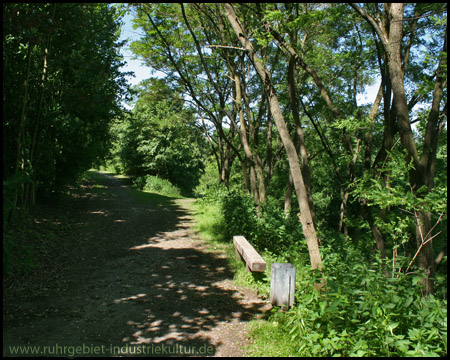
(126, 276)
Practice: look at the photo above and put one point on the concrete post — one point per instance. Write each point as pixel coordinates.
(282, 284)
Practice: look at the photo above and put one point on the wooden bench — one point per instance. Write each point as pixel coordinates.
(253, 261)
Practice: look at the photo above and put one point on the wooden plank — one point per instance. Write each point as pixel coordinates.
(254, 261)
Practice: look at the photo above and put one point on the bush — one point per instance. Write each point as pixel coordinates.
(212, 194)
(277, 231)
(269, 229)
(157, 185)
(362, 312)
(240, 215)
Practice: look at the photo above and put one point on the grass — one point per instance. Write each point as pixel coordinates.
(209, 223)
(145, 197)
(157, 185)
(267, 337)
(211, 228)
(269, 340)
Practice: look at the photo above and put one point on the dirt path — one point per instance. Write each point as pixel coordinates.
(132, 279)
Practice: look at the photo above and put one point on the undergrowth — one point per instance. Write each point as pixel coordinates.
(157, 185)
(360, 312)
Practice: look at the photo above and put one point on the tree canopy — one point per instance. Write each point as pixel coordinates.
(159, 137)
(276, 87)
(61, 88)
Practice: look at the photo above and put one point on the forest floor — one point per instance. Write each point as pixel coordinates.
(120, 272)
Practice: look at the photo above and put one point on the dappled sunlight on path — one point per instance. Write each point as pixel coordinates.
(142, 282)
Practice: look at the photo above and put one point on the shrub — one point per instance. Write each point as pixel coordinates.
(275, 230)
(212, 194)
(240, 214)
(269, 229)
(362, 313)
(157, 185)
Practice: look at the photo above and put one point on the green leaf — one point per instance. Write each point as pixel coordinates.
(403, 345)
(408, 301)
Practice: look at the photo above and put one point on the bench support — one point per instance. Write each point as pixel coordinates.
(253, 261)
(282, 284)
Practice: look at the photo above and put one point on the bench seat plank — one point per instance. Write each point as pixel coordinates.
(253, 260)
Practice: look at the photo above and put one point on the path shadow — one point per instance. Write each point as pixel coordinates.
(136, 291)
(173, 301)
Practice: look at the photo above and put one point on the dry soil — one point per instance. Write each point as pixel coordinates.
(123, 275)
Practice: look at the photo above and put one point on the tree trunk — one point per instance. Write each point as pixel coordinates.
(269, 156)
(21, 127)
(305, 216)
(292, 85)
(244, 140)
(346, 140)
(23, 111)
(417, 175)
(288, 197)
(31, 187)
(259, 167)
(391, 35)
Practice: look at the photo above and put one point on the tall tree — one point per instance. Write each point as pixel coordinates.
(206, 89)
(62, 87)
(302, 67)
(159, 137)
(306, 215)
(390, 32)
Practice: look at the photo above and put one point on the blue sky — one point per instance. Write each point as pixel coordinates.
(141, 71)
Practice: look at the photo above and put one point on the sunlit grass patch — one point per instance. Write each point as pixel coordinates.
(268, 340)
(209, 222)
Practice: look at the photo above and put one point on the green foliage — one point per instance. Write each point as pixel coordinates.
(276, 230)
(158, 138)
(61, 89)
(268, 228)
(399, 203)
(240, 215)
(209, 186)
(369, 306)
(61, 86)
(157, 185)
(209, 217)
(361, 313)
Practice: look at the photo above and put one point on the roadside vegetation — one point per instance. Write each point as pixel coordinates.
(369, 308)
(259, 115)
(62, 86)
(354, 195)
